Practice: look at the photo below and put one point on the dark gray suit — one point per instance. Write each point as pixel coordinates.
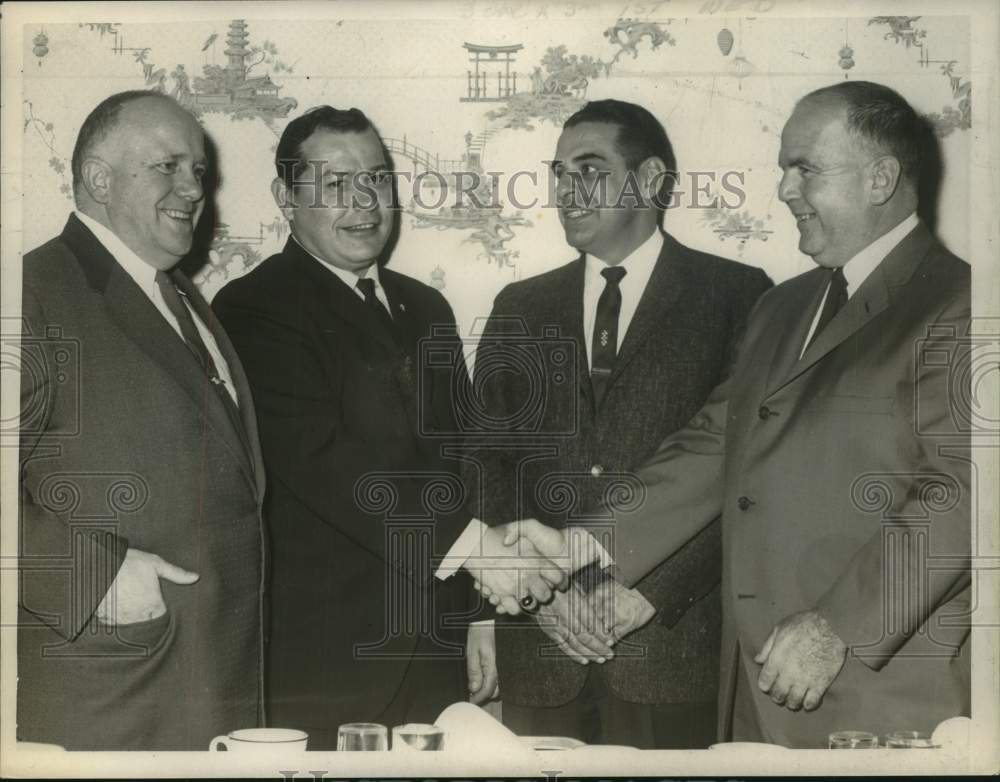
(125, 443)
(677, 348)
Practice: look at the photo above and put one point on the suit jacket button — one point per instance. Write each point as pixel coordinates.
(764, 412)
(744, 503)
(597, 470)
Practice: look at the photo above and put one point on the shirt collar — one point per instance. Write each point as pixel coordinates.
(858, 268)
(638, 264)
(141, 272)
(349, 278)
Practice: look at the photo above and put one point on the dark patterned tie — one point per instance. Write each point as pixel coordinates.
(604, 344)
(836, 298)
(192, 338)
(367, 286)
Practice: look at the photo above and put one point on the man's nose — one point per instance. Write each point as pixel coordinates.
(189, 186)
(788, 187)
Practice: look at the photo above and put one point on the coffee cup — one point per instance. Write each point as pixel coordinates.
(261, 740)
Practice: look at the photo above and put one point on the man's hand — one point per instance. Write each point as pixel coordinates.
(620, 609)
(134, 595)
(572, 623)
(505, 573)
(801, 657)
(569, 549)
(481, 663)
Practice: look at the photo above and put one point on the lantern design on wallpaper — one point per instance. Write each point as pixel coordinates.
(41, 46)
(741, 67)
(437, 278)
(846, 53)
(846, 59)
(725, 41)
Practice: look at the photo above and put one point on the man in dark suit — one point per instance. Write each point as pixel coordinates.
(364, 499)
(140, 475)
(837, 452)
(653, 325)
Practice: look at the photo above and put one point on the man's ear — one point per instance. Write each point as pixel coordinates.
(97, 177)
(886, 172)
(652, 171)
(283, 198)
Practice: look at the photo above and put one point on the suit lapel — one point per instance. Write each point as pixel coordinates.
(668, 280)
(870, 299)
(567, 308)
(792, 322)
(344, 302)
(250, 445)
(140, 321)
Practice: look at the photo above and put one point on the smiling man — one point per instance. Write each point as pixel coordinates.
(654, 325)
(141, 478)
(837, 453)
(330, 339)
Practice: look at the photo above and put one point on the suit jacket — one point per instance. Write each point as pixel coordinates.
(677, 348)
(353, 426)
(125, 443)
(844, 485)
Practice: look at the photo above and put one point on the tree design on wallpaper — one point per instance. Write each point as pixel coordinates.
(951, 118)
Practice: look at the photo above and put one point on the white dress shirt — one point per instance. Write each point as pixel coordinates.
(144, 276)
(638, 269)
(860, 267)
(350, 279)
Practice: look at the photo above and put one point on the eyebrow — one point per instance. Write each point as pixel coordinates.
(584, 158)
(328, 172)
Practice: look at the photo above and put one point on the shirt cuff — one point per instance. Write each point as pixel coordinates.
(604, 559)
(461, 549)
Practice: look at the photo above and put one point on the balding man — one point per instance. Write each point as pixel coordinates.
(141, 478)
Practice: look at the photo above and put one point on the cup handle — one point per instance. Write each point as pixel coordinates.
(217, 743)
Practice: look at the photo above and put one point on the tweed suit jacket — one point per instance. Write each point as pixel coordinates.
(124, 443)
(844, 482)
(677, 347)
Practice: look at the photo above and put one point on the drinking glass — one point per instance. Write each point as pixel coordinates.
(853, 739)
(909, 739)
(416, 736)
(362, 737)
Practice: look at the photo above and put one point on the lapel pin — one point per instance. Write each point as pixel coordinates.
(402, 307)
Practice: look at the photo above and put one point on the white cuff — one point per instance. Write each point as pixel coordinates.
(461, 549)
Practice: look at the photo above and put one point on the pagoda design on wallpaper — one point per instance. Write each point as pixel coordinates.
(230, 88)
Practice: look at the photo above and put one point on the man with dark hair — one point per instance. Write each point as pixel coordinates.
(653, 325)
(364, 499)
(836, 453)
(141, 479)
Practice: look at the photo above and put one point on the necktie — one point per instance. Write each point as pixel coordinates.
(836, 298)
(192, 338)
(367, 286)
(605, 340)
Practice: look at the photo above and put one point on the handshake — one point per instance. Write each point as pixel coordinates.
(526, 565)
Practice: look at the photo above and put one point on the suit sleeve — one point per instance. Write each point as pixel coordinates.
(683, 481)
(309, 452)
(65, 571)
(491, 476)
(696, 568)
(900, 577)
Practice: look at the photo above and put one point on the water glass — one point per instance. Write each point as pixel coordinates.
(362, 737)
(416, 736)
(853, 739)
(909, 739)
